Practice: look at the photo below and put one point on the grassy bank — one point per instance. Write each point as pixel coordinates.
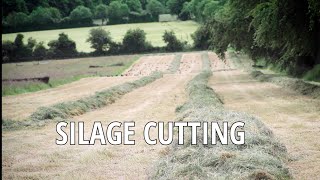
(298, 85)
(261, 157)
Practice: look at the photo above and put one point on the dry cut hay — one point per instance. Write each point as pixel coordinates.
(261, 157)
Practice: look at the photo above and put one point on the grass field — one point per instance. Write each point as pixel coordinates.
(61, 71)
(154, 32)
(195, 87)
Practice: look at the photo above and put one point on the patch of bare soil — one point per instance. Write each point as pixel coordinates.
(294, 118)
(190, 63)
(148, 64)
(33, 154)
(19, 107)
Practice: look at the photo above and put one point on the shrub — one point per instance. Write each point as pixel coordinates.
(134, 41)
(8, 49)
(63, 47)
(313, 74)
(100, 40)
(201, 38)
(40, 51)
(173, 44)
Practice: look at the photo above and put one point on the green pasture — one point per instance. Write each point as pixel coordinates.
(154, 30)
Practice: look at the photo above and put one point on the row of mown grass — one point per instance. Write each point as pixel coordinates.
(175, 64)
(68, 109)
(261, 157)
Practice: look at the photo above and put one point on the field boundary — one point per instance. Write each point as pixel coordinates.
(297, 85)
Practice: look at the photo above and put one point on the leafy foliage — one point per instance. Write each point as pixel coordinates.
(81, 15)
(135, 41)
(173, 44)
(102, 12)
(284, 32)
(63, 47)
(100, 40)
(118, 11)
(155, 8)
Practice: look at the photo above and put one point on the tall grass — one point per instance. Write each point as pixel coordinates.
(72, 108)
(261, 157)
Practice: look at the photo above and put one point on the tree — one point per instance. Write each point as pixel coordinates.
(102, 12)
(40, 51)
(17, 20)
(134, 5)
(118, 12)
(45, 16)
(135, 41)
(81, 15)
(100, 40)
(155, 8)
(173, 44)
(63, 47)
(31, 43)
(8, 51)
(283, 32)
(18, 41)
(175, 7)
(22, 6)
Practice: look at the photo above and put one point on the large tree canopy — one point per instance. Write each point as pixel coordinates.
(281, 31)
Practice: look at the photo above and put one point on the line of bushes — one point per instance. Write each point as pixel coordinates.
(261, 157)
(134, 41)
(73, 108)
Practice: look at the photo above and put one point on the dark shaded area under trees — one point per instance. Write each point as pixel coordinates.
(282, 32)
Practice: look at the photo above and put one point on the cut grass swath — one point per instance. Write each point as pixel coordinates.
(72, 108)
(261, 157)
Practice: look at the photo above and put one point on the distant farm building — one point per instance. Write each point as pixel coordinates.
(167, 17)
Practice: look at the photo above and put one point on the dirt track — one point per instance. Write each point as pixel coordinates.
(44, 159)
(295, 119)
(148, 64)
